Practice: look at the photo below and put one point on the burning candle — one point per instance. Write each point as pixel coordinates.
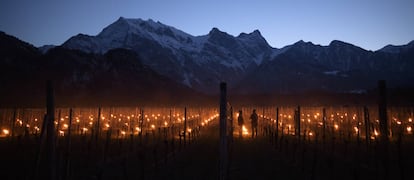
(244, 129)
(356, 129)
(376, 132)
(6, 132)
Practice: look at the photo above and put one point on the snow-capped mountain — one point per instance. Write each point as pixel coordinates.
(199, 62)
(246, 62)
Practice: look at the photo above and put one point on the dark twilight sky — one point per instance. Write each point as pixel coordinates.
(370, 24)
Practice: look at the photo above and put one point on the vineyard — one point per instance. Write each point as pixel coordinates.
(309, 142)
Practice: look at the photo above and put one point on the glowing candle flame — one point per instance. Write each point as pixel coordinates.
(244, 129)
(409, 129)
(6, 132)
(376, 132)
(356, 129)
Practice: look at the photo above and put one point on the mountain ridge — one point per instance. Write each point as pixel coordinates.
(247, 61)
(116, 78)
(178, 55)
(220, 56)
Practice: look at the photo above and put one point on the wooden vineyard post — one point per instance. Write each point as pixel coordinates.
(277, 127)
(185, 124)
(13, 122)
(358, 121)
(50, 138)
(58, 125)
(297, 122)
(141, 122)
(324, 127)
(383, 124)
(68, 144)
(231, 125)
(382, 109)
(223, 133)
(367, 126)
(263, 121)
(97, 126)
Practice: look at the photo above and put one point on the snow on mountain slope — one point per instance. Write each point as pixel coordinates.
(191, 60)
(247, 60)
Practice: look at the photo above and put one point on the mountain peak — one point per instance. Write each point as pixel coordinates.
(216, 35)
(301, 42)
(255, 33)
(121, 18)
(336, 44)
(397, 48)
(215, 30)
(339, 43)
(254, 37)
